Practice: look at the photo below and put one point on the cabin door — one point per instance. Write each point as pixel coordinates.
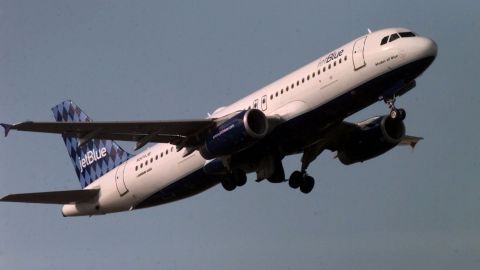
(120, 179)
(358, 53)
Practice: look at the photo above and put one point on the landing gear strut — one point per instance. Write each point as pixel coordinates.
(300, 179)
(394, 112)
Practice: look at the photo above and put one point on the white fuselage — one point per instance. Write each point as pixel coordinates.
(307, 88)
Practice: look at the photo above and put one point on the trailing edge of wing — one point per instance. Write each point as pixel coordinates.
(53, 197)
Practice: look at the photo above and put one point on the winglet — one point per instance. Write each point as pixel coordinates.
(414, 143)
(7, 128)
(411, 141)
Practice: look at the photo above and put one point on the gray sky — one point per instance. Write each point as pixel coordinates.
(144, 60)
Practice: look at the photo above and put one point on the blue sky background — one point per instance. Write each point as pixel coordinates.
(155, 60)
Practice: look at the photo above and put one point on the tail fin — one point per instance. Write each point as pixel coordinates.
(94, 158)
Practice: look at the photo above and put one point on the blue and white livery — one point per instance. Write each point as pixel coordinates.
(301, 113)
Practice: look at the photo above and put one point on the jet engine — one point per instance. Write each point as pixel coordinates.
(235, 134)
(373, 138)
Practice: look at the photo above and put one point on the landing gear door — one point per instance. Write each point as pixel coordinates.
(120, 179)
(357, 54)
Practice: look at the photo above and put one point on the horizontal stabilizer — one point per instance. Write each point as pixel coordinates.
(53, 197)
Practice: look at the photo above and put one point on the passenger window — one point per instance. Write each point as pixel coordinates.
(151, 160)
(298, 83)
(161, 154)
(281, 91)
(308, 77)
(340, 60)
(141, 165)
(324, 69)
(156, 157)
(303, 80)
(313, 75)
(276, 94)
(292, 86)
(287, 88)
(394, 37)
(335, 63)
(271, 96)
(384, 40)
(136, 168)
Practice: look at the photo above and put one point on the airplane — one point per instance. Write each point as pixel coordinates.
(301, 113)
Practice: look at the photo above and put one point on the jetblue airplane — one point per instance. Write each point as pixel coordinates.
(301, 113)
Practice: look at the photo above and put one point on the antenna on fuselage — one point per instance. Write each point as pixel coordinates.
(369, 31)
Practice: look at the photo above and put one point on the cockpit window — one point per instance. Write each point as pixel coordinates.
(394, 37)
(384, 40)
(407, 34)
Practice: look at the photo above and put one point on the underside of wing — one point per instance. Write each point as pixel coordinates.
(53, 197)
(175, 132)
(357, 142)
(392, 132)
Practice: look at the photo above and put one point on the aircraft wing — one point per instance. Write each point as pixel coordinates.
(410, 140)
(53, 197)
(175, 132)
(348, 127)
(340, 132)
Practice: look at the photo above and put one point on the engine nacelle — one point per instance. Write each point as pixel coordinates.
(375, 137)
(235, 134)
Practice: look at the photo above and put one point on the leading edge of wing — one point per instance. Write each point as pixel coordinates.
(53, 197)
(162, 131)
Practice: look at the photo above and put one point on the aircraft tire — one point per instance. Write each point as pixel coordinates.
(240, 178)
(228, 184)
(307, 184)
(402, 114)
(295, 179)
(394, 114)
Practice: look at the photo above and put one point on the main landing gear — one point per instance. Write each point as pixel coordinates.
(236, 178)
(301, 180)
(394, 112)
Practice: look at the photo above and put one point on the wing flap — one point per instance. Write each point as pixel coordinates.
(53, 197)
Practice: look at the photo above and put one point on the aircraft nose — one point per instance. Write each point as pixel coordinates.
(426, 47)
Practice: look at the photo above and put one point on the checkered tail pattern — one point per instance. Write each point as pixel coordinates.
(94, 158)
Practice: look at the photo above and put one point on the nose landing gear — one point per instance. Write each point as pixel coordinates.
(395, 113)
